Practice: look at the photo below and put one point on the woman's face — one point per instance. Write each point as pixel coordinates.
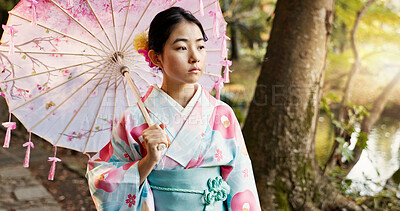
(183, 58)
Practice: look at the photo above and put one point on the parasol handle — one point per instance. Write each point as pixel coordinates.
(125, 73)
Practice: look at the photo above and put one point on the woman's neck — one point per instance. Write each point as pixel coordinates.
(181, 93)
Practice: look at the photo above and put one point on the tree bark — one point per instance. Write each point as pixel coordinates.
(281, 123)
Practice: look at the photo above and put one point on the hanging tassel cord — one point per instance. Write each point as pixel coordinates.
(201, 8)
(34, 15)
(216, 14)
(10, 126)
(12, 31)
(218, 86)
(227, 64)
(29, 145)
(224, 48)
(53, 159)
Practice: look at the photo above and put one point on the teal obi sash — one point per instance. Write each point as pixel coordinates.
(188, 189)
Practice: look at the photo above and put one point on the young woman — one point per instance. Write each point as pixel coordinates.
(205, 164)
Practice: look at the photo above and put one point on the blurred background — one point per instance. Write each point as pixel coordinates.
(362, 67)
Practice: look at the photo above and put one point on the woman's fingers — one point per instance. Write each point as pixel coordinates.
(161, 147)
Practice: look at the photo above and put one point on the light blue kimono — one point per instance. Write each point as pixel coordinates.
(205, 135)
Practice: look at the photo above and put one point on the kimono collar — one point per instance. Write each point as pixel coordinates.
(187, 134)
(185, 111)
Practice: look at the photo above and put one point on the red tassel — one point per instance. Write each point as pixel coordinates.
(34, 15)
(217, 18)
(201, 7)
(12, 31)
(224, 49)
(53, 165)
(10, 126)
(28, 144)
(226, 63)
(218, 86)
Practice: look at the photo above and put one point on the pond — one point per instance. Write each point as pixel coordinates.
(377, 163)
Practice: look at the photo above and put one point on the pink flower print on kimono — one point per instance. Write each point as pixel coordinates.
(131, 200)
(195, 163)
(135, 133)
(223, 121)
(106, 153)
(244, 201)
(110, 180)
(218, 155)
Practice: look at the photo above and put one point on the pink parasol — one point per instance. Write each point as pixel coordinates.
(62, 64)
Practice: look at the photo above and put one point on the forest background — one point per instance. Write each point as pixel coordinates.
(357, 129)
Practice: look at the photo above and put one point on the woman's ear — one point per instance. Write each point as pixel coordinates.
(155, 58)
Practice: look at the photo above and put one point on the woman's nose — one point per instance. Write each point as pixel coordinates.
(194, 60)
(194, 57)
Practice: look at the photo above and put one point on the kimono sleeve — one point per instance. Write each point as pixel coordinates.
(113, 175)
(243, 194)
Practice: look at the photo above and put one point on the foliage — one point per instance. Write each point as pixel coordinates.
(378, 26)
(378, 43)
(386, 199)
(252, 18)
(355, 115)
(338, 176)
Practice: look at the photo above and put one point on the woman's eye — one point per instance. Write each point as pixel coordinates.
(181, 48)
(201, 47)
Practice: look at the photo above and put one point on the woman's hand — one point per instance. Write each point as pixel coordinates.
(153, 137)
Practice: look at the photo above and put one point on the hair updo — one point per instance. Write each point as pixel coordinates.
(164, 23)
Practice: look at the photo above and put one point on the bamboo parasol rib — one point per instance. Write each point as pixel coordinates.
(101, 40)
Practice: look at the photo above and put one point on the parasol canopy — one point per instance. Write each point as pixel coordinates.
(60, 63)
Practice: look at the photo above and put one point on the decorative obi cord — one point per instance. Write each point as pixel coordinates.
(197, 189)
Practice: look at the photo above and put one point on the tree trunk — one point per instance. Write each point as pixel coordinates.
(281, 123)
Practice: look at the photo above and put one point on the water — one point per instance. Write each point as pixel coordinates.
(377, 163)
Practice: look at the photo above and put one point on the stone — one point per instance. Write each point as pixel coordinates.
(47, 208)
(31, 193)
(14, 172)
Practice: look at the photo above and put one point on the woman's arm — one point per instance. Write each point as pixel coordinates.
(152, 136)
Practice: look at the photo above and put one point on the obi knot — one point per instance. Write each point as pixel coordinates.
(218, 190)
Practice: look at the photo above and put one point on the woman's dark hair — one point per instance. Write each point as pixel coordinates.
(164, 23)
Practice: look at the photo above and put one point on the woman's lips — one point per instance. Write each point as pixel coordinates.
(194, 71)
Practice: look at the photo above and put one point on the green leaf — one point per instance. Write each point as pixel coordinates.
(97, 128)
(362, 140)
(23, 57)
(344, 148)
(333, 97)
(340, 140)
(337, 124)
(47, 31)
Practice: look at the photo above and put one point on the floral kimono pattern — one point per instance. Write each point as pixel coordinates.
(205, 133)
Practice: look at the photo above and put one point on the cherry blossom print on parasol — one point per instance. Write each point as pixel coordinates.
(67, 77)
